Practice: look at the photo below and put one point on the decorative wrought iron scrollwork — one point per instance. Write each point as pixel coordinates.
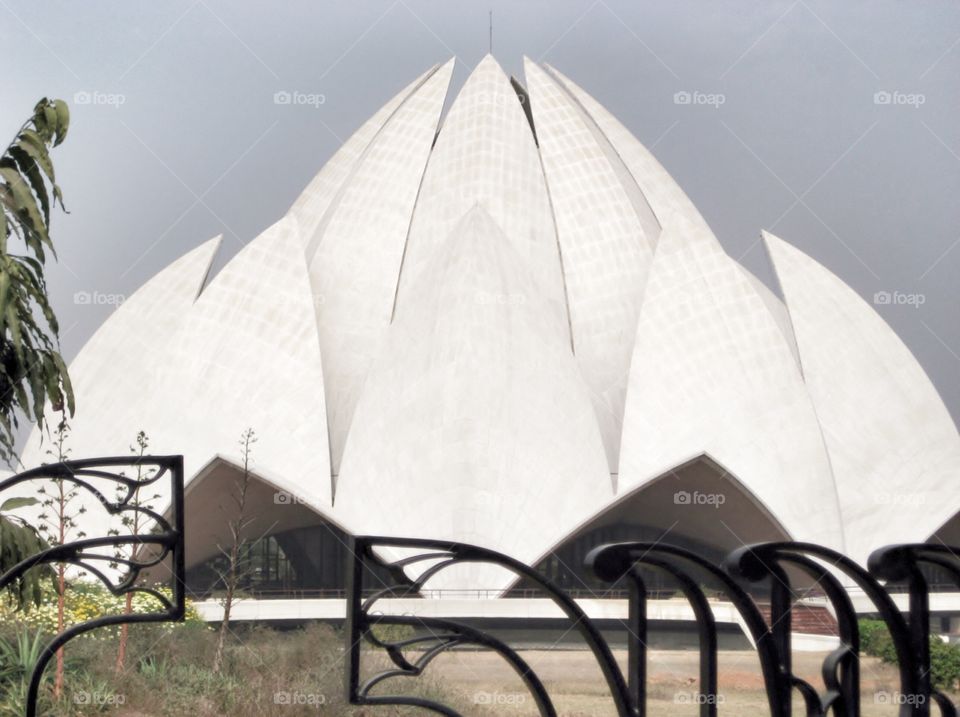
(444, 635)
(159, 542)
(837, 576)
(769, 564)
(613, 562)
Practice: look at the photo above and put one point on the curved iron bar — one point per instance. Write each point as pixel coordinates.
(359, 622)
(898, 563)
(414, 587)
(910, 638)
(840, 669)
(636, 640)
(706, 629)
(612, 561)
(73, 553)
(169, 540)
(754, 563)
(395, 649)
(460, 635)
(70, 471)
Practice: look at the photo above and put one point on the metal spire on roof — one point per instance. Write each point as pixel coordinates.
(491, 32)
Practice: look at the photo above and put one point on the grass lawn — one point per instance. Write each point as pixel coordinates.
(269, 673)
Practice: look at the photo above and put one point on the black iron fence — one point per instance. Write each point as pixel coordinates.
(775, 569)
(118, 557)
(775, 565)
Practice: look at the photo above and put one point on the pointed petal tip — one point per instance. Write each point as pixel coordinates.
(488, 64)
(530, 64)
(771, 241)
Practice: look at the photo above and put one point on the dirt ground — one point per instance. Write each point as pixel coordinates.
(485, 685)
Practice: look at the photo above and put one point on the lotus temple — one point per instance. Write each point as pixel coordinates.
(497, 319)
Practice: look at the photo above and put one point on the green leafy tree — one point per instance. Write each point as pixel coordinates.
(32, 372)
(18, 540)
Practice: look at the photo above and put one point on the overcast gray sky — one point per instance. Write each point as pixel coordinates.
(181, 140)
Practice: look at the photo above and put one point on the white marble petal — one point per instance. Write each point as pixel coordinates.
(355, 265)
(312, 204)
(114, 374)
(485, 154)
(712, 374)
(607, 234)
(247, 356)
(894, 448)
(474, 424)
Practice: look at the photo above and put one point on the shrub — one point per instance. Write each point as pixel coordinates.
(875, 640)
(85, 600)
(169, 673)
(944, 664)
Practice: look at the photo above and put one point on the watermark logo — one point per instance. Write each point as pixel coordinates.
(498, 99)
(282, 497)
(99, 699)
(897, 98)
(905, 499)
(297, 98)
(685, 497)
(500, 699)
(899, 298)
(709, 99)
(696, 698)
(487, 298)
(105, 99)
(898, 698)
(96, 298)
(299, 699)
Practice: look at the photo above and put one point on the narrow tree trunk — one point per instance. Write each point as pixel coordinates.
(124, 632)
(61, 587)
(237, 527)
(61, 597)
(227, 606)
(134, 525)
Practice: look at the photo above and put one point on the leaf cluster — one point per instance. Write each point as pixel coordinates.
(32, 371)
(18, 541)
